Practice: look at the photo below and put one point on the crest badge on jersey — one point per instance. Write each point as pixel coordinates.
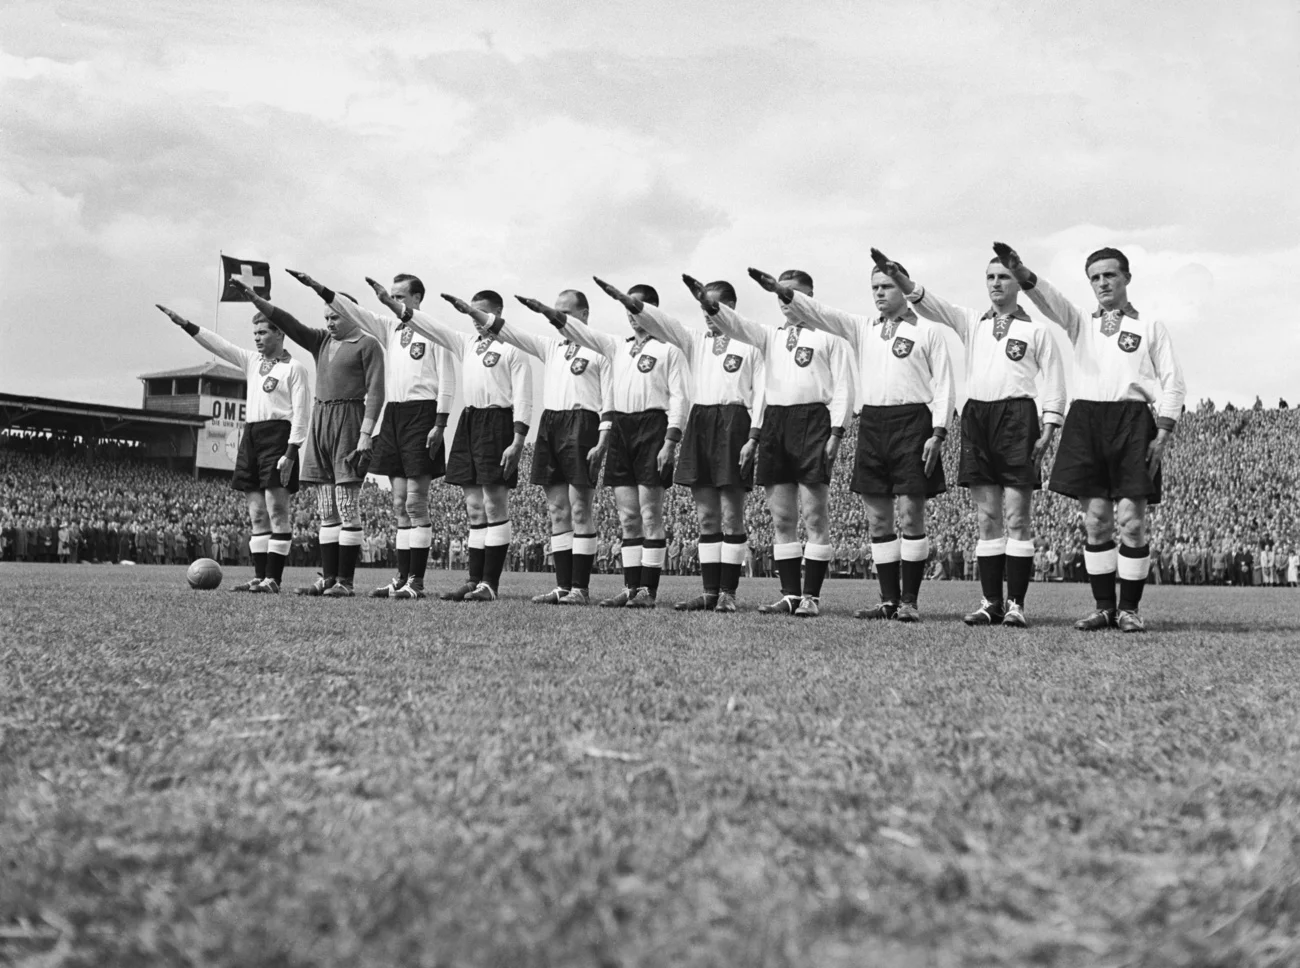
(1016, 349)
(481, 346)
(887, 329)
(803, 356)
(269, 384)
(266, 367)
(732, 363)
(792, 338)
(417, 350)
(903, 347)
(407, 336)
(1129, 342)
(579, 366)
(490, 359)
(646, 363)
(570, 351)
(1002, 326)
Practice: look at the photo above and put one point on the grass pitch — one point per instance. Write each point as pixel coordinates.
(199, 778)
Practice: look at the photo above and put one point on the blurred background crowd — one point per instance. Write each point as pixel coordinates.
(1229, 515)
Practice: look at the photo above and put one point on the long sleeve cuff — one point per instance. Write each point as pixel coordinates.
(1053, 418)
(521, 428)
(328, 295)
(940, 432)
(440, 419)
(674, 434)
(916, 295)
(1166, 423)
(191, 329)
(496, 325)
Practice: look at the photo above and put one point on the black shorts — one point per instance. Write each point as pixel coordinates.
(402, 449)
(997, 443)
(482, 436)
(1103, 452)
(634, 447)
(891, 447)
(260, 449)
(792, 445)
(560, 455)
(711, 444)
(335, 429)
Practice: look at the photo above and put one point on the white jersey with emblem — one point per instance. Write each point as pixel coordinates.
(1117, 355)
(492, 373)
(900, 361)
(724, 372)
(1005, 353)
(801, 365)
(413, 369)
(574, 378)
(278, 389)
(648, 373)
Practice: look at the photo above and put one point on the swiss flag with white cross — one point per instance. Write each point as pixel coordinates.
(256, 275)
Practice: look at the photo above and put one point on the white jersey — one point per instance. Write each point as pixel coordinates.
(278, 389)
(1118, 355)
(900, 361)
(492, 373)
(575, 378)
(1005, 353)
(649, 374)
(724, 372)
(801, 365)
(413, 369)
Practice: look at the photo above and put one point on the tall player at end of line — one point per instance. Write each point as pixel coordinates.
(266, 469)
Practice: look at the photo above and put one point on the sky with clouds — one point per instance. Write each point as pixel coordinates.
(525, 146)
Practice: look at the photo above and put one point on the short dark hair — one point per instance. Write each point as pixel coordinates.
(1108, 253)
(491, 297)
(645, 292)
(724, 291)
(417, 287)
(901, 268)
(579, 297)
(263, 318)
(798, 275)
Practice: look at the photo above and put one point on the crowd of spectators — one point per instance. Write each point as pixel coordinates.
(1229, 515)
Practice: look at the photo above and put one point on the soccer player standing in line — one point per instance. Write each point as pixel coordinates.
(484, 461)
(1111, 447)
(649, 404)
(349, 396)
(905, 400)
(807, 386)
(571, 441)
(717, 457)
(266, 469)
(1002, 445)
(419, 387)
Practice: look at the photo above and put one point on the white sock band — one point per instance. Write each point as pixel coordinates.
(816, 552)
(499, 534)
(790, 549)
(632, 556)
(281, 547)
(916, 549)
(258, 542)
(710, 552)
(350, 538)
(477, 536)
(1101, 562)
(584, 544)
(403, 539)
(653, 557)
(886, 552)
(1020, 549)
(422, 536)
(733, 553)
(562, 542)
(329, 533)
(988, 547)
(1134, 569)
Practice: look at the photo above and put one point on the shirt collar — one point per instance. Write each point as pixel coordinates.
(1016, 313)
(1128, 310)
(283, 357)
(906, 317)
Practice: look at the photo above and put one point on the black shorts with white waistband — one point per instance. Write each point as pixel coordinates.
(402, 448)
(634, 445)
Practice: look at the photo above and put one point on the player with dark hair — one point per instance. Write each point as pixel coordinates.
(349, 397)
(571, 442)
(716, 456)
(1002, 445)
(266, 469)
(419, 387)
(807, 386)
(484, 462)
(905, 398)
(1111, 447)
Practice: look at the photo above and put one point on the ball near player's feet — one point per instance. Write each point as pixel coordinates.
(204, 574)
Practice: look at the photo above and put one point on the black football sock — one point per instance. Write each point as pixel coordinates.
(633, 550)
(915, 551)
(348, 555)
(1101, 561)
(711, 562)
(403, 555)
(1020, 569)
(1133, 566)
(816, 562)
(277, 553)
(885, 552)
(789, 567)
(992, 555)
(475, 551)
(563, 568)
(584, 559)
(733, 561)
(652, 564)
(329, 559)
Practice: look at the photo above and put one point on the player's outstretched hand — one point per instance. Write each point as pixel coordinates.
(706, 301)
(176, 318)
(460, 305)
(747, 451)
(385, 297)
(632, 304)
(306, 280)
(771, 284)
(243, 287)
(553, 316)
(285, 466)
(886, 265)
(930, 454)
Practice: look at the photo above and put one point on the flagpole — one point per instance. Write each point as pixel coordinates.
(221, 291)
